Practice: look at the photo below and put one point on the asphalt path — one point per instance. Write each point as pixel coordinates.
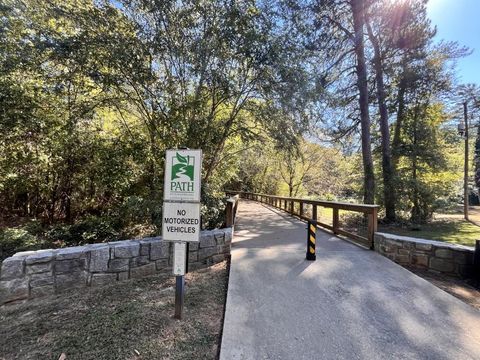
(350, 303)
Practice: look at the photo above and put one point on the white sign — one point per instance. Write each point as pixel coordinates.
(181, 221)
(183, 175)
(179, 258)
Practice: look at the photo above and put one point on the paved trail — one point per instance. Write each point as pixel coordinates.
(348, 304)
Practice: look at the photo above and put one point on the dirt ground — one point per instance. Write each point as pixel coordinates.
(473, 215)
(132, 320)
(461, 289)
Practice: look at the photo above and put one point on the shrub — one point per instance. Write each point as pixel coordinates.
(13, 240)
(138, 210)
(213, 210)
(88, 231)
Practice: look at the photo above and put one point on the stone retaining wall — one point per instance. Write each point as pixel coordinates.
(31, 274)
(450, 259)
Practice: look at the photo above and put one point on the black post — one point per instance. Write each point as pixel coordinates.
(179, 296)
(311, 235)
(187, 256)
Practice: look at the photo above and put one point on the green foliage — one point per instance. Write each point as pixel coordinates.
(87, 231)
(428, 172)
(305, 170)
(213, 209)
(138, 210)
(93, 93)
(13, 240)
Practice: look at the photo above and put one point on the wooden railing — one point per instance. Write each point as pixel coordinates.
(288, 204)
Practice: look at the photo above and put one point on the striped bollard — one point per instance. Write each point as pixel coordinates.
(311, 235)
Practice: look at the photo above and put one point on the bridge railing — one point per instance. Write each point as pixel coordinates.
(297, 207)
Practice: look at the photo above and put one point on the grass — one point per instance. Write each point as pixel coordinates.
(450, 228)
(131, 320)
(453, 231)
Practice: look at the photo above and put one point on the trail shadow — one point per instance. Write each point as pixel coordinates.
(348, 304)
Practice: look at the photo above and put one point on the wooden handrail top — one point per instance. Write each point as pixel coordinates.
(365, 208)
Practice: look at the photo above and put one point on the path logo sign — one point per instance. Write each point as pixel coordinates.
(182, 169)
(182, 175)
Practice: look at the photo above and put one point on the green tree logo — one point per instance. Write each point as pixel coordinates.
(182, 169)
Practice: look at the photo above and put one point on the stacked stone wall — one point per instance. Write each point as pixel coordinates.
(31, 274)
(449, 259)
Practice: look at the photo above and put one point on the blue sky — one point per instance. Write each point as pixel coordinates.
(459, 20)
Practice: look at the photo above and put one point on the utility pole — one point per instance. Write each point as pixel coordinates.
(465, 174)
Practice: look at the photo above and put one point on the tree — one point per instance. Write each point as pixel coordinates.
(72, 71)
(308, 170)
(379, 55)
(424, 168)
(358, 14)
(299, 168)
(216, 60)
(476, 160)
(338, 39)
(469, 95)
(92, 93)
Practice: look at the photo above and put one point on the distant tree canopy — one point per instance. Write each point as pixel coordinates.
(387, 92)
(92, 93)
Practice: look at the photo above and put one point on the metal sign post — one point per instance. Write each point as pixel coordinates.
(181, 212)
(179, 269)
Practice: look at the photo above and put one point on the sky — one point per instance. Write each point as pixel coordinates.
(459, 20)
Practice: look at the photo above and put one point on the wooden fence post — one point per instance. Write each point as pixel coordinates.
(288, 204)
(335, 220)
(229, 213)
(372, 227)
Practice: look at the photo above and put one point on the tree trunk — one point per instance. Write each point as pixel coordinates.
(290, 185)
(387, 169)
(416, 215)
(477, 159)
(361, 70)
(400, 116)
(151, 162)
(68, 189)
(465, 168)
